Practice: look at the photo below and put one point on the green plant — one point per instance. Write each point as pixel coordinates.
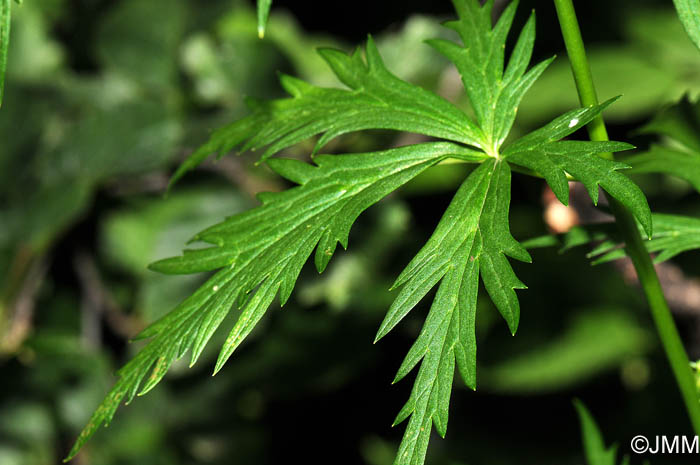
(593, 444)
(5, 9)
(634, 244)
(689, 13)
(260, 253)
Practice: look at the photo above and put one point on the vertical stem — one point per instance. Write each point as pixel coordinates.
(5, 6)
(634, 244)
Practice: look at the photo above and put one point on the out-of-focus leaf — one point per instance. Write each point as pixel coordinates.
(130, 138)
(679, 155)
(140, 39)
(597, 340)
(45, 213)
(36, 56)
(655, 46)
(106, 142)
(263, 14)
(689, 13)
(23, 120)
(555, 92)
(234, 32)
(30, 422)
(31, 427)
(659, 159)
(659, 33)
(680, 122)
(673, 234)
(225, 71)
(136, 236)
(425, 65)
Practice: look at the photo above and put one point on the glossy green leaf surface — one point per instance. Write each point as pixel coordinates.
(472, 238)
(259, 253)
(493, 91)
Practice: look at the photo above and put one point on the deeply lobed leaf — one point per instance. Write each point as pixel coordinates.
(260, 252)
(544, 152)
(472, 238)
(494, 93)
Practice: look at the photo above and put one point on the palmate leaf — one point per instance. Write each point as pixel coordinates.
(259, 253)
(448, 334)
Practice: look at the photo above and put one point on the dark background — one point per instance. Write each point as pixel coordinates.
(104, 98)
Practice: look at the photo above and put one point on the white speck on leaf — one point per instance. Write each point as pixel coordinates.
(215, 288)
(573, 122)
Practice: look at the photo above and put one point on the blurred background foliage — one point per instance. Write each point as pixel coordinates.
(105, 97)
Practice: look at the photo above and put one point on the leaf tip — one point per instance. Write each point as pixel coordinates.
(380, 334)
(513, 328)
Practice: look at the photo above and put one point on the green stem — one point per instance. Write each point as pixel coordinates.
(5, 6)
(634, 244)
